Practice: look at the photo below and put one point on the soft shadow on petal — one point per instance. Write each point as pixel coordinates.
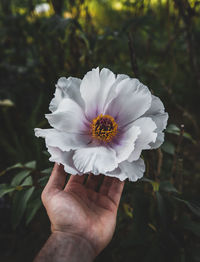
(62, 140)
(147, 136)
(159, 140)
(124, 144)
(118, 173)
(69, 117)
(94, 90)
(66, 87)
(160, 117)
(98, 159)
(116, 87)
(64, 158)
(133, 170)
(132, 101)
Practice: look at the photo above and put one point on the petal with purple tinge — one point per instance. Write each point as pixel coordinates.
(125, 143)
(133, 101)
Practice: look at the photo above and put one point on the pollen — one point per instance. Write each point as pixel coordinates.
(104, 128)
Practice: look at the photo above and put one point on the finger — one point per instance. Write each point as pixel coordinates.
(115, 190)
(107, 181)
(57, 178)
(76, 179)
(112, 187)
(93, 181)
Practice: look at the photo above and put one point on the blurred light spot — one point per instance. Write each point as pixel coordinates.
(42, 8)
(6, 102)
(118, 6)
(67, 15)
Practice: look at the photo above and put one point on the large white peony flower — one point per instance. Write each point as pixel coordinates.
(102, 123)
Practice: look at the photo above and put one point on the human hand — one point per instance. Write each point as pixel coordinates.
(77, 209)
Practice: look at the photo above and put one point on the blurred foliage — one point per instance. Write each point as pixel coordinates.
(154, 40)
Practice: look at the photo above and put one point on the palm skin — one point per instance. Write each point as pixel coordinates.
(79, 210)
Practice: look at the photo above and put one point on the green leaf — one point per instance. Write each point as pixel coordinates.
(16, 181)
(188, 136)
(173, 129)
(32, 209)
(167, 187)
(47, 171)
(31, 164)
(5, 189)
(154, 184)
(28, 181)
(20, 201)
(194, 208)
(43, 181)
(18, 165)
(168, 147)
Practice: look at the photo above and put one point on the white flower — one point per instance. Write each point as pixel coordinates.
(102, 123)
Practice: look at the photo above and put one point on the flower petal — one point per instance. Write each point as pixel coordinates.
(64, 158)
(97, 159)
(147, 136)
(118, 173)
(133, 171)
(115, 89)
(132, 101)
(160, 117)
(94, 90)
(125, 143)
(62, 140)
(66, 87)
(68, 117)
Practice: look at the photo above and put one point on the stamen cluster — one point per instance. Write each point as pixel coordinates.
(104, 128)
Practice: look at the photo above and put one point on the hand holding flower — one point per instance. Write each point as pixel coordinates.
(82, 218)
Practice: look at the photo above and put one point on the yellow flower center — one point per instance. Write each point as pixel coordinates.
(104, 128)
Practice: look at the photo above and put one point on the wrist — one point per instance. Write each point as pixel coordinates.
(76, 242)
(62, 247)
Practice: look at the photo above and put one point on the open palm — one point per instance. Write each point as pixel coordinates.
(77, 208)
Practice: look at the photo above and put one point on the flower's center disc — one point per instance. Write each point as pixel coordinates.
(104, 128)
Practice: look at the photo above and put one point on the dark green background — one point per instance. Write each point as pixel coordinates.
(155, 41)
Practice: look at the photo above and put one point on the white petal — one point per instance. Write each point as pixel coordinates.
(67, 87)
(125, 143)
(94, 90)
(115, 89)
(68, 117)
(64, 158)
(159, 140)
(147, 136)
(160, 117)
(118, 173)
(157, 113)
(133, 171)
(97, 159)
(62, 140)
(132, 101)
